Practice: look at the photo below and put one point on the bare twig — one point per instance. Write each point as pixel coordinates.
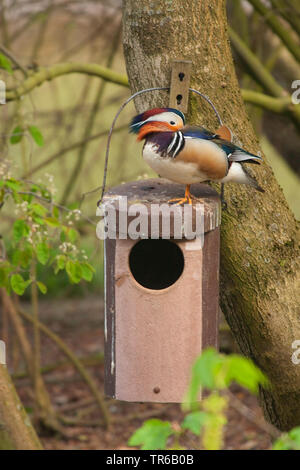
(76, 363)
(251, 416)
(90, 122)
(13, 59)
(49, 73)
(65, 150)
(277, 27)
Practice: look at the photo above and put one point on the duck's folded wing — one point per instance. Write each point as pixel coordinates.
(197, 132)
(235, 153)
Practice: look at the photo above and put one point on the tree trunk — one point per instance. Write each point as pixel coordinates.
(259, 240)
(16, 431)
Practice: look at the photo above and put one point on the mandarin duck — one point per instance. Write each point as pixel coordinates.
(188, 154)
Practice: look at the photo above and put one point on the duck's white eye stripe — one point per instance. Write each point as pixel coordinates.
(179, 143)
(138, 123)
(173, 141)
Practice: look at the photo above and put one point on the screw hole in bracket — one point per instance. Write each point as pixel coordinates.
(179, 99)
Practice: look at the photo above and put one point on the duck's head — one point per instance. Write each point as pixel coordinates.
(157, 120)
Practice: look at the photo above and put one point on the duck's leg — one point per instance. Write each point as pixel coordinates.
(183, 200)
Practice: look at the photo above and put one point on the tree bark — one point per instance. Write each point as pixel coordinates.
(16, 431)
(259, 240)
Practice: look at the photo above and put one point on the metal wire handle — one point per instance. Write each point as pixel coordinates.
(146, 90)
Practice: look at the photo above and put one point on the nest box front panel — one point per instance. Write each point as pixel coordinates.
(154, 332)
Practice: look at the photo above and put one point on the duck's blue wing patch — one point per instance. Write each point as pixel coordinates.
(198, 133)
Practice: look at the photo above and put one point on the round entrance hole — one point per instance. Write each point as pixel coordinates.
(156, 264)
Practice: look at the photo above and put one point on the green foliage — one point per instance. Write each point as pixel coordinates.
(5, 63)
(194, 421)
(43, 237)
(215, 371)
(42, 287)
(36, 135)
(20, 230)
(152, 435)
(19, 131)
(18, 284)
(42, 252)
(17, 135)
(206, 418)
(288, 441)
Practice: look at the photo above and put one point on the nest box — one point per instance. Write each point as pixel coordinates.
(161, 294)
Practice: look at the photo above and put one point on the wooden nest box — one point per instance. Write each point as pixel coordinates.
(161, 294)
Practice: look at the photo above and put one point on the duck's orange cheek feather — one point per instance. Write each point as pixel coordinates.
(155, 126)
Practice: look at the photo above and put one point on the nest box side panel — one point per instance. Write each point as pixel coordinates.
(109, 316)
(158, 333)
(210, 289)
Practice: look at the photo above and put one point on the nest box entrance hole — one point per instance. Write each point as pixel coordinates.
(156, 264)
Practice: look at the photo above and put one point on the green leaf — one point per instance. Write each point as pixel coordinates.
(63, 235)
(5, 63)
(38, 220)
(42, 252)
(20, 230)
(152, 435)
(16, 257)
(13, 184)
(60, 263)
(55, 212)
(245, 373)
(4, 271)
(204, 373)
(74, 271)
(294, 434)
(194, 421)
(18, 284)
(17, 135)
(38, 209)
(73, 235)
(87, 271)
(288, 441)
(42, 287)
(26, 256)
(36, 135)
(46, 194)
(52, 222)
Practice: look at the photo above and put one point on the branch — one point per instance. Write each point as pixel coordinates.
(16, 430)
(276, 105)
(277, 28)
(90, 360)
(256, 68)
(263, 76)
(90, 122)
(13, 59)
(48, 73)
(288, 10)
(71, 147)
(59, 206)
(76, 363)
